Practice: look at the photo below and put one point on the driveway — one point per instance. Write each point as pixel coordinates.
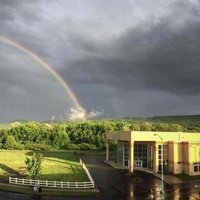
(114, 185)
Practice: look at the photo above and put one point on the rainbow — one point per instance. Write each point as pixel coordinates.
(48, 67)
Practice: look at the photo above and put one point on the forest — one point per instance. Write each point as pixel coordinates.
(85, 135)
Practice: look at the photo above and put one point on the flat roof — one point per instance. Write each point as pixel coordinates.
(153, 136)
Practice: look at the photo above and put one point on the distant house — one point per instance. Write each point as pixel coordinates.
(178, 152)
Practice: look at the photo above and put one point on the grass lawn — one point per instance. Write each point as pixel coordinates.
(59, 166)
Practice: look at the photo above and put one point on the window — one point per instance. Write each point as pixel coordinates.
(196, 167)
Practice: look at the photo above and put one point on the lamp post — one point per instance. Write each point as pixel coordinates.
(162, 178)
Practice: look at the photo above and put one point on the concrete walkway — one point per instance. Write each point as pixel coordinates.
(169, 179)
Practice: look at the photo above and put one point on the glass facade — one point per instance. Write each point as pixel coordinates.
(123, 154)
(143, 155)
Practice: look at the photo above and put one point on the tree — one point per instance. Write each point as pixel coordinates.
(34, 164)
(10, 142)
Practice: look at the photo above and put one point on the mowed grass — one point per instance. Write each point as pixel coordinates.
(58, 166)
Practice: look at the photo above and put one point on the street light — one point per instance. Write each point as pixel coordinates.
(162, 188)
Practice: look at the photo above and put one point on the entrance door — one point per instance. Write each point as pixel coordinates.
(138, 164)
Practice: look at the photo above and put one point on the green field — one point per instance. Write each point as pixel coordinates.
(58, 166)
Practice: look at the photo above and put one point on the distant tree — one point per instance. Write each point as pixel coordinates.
(59, 137)
(126, 127)
(15, 124)
(145, 127)
(34, 164)
(135, 127)
(10, 142)
(176, 128)
(160, 127)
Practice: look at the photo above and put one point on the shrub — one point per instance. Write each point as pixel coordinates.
(1, 145)
(19, 146)
(84, 146)
(73, 147)
(10, 142)
(38, 147)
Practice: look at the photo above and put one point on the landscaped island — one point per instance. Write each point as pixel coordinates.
(60, 166)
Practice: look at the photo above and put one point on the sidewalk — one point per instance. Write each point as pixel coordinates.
(170, 179)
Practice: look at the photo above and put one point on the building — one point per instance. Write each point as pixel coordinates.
(178, 152)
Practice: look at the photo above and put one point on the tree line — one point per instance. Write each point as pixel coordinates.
(75, 135)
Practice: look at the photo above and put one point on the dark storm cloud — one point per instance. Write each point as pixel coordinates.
(121, 57)
(158, 54)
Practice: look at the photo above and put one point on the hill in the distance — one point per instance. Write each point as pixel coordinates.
(189, 120)
(185, 120)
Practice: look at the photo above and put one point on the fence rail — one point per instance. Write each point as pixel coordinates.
(56, 184)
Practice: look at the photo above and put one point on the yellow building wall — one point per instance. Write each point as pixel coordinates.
(186, 158)
(183, 148)
(194, 157)
(171, 156)
(119, 135)
(178, 161)
(155, 157)
(150, 136)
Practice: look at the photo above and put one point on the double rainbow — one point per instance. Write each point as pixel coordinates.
(47, 67)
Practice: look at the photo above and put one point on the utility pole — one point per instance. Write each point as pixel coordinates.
(162, 177)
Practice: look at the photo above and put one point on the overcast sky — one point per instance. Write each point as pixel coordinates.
(127, 58)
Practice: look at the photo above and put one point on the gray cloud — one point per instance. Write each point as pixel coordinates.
(124, 58)
(157, 56)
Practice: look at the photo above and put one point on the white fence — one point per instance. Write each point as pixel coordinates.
(56, 184)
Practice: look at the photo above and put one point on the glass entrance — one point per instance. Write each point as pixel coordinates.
(138, 164)
(143, 154)
(123, 154)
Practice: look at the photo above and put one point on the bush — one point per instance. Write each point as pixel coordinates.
(73, 147)
(85, 146)
(19, 146)
(10, 142)
(1, 145)
(38, 147)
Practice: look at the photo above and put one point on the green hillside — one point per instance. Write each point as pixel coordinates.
(186, 120)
